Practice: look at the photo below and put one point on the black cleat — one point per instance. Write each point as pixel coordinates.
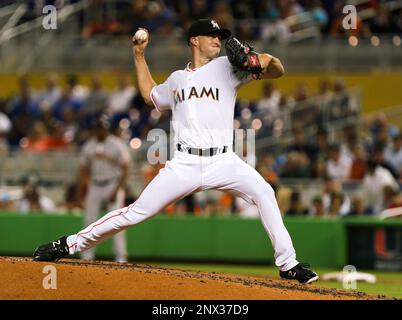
(52, 251)
(301, 273)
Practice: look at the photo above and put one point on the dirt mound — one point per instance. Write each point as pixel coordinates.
(21, 278)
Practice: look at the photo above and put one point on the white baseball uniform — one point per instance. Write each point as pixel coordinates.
(202, 101)
(105, 160)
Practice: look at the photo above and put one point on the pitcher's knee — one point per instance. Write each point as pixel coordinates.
(263, 191)
(137, 214)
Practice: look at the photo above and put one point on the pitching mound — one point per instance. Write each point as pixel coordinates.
(21, 278)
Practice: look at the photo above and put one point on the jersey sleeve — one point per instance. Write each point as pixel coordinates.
(236, 77)
(160, 96)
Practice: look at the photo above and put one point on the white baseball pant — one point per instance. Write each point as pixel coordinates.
(185, 174)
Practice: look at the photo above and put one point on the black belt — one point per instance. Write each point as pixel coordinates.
(207, 152)
(103, 182)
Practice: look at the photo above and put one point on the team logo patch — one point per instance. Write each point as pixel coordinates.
(214, 24)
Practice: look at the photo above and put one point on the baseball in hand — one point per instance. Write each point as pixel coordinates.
(141, 36)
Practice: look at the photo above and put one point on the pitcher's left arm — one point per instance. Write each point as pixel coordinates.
(272, 67)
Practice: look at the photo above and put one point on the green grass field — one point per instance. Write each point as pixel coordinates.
(388, 284)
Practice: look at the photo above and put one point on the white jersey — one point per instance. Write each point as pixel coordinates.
(105, 158)
(202, 101)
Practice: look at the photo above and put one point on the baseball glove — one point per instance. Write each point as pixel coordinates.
(243, 57)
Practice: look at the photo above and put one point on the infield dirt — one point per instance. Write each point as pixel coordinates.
(21, 278)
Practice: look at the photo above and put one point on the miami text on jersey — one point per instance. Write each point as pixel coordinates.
(181, 95)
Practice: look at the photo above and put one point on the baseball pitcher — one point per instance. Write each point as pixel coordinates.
(201, 97)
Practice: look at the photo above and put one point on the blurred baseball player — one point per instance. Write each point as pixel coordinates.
(202, 98)
(103, 167)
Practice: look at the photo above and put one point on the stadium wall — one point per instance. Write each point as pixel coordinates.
(380, 89)
(365, 242)
(186, 238)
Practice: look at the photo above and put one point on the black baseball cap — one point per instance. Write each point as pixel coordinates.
(204, 27)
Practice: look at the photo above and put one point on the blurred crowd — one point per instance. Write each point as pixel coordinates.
(274, 20)
(360, 175)
(366, 152)
(59, 117)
